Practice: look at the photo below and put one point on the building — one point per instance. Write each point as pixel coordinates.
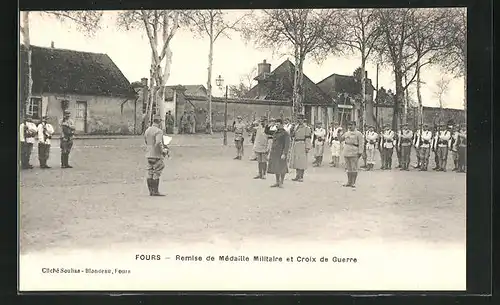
(345, 91)
(278, 85)
(90, 85)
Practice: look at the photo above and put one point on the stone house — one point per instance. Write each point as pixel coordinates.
(345, 91)
(90, 85)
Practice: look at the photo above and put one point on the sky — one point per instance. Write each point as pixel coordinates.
(233, 58)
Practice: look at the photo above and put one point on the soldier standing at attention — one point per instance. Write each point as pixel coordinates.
(153, 137)
(318, 144)
(253, 130)
(353, 149)
(387, 146)
(416, 138)
(287, 125)
(454, 147)
(371, 146)
(279, 154)
(398, 148)
(301, 144)
(424, 142)
(261, 147)
(437, 129)
(462, 149)
(443, 143)
(404, 142)
(27, 134)
(169, 123)
(335, 144)
(67, 133)
(45, 131)
(239, 129)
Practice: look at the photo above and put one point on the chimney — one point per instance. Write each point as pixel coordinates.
(52, 44)
(263, 67)
(144, 82)
(366, 74)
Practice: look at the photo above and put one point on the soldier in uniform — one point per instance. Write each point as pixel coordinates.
(454, 147)
(67, 133)
(45, 131)
(239, 129)
(253, 130)
(155, 153)
(416, 136)
(353, 149)
(442, 142)
(462, 149)
(169, 122)
(301, 144)
(279, 153)
(370, 147)
(387, 140)
(318, 144)
(287, 125)
(27, 133)
(404, 143)
(424, 143)
(192, 122)
(335, 144)
(398, 150)
(261, 147)
(437, 129)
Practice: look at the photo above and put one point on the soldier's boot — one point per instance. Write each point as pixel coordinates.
(455, 168)
(282, 180)
(150, 186)
(320, 160)
(354, 177)
(259, 176)
(443, 166)
(264, 170)
(63, 164)
(297, 175)
(67, 162)
(156, 184)
(278, 180)
(301, 175)
(349, 180)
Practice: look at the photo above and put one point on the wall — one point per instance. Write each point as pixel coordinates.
(104, 114)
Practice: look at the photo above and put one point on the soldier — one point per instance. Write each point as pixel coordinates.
(261, 147)
(67, 133)
(462, 149)
(398, 150)
(442, 143)
(287, 125)
(239, 129)
(416, 138)
(279, 153)
(192, 122)
(364, 156)
(335, 144)
(454, 147)
(370, 147)
(45, 131)
(437, 129)
(155, 152)
(301, 144)
(27, 133)
(424, 143)
(169, 122)
(404, 144)
(387, 145)
(253, 130)
(318, 144)
(353, 149)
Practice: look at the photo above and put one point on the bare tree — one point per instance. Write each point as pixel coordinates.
(440, 91)
(211, 24)
(87, 22)
(160, 27)
(246, 83)
(361, 35)
(400, 28)
(304, 32)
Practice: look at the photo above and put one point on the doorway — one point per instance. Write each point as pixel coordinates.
(81, 117)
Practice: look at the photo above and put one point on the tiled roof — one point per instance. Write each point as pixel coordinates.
(336, 84)
(73, 72)
(280, 87)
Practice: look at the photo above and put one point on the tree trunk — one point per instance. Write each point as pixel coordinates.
(406, 102)
(27, 44)
(419, 98)
(209, 79)
(297, 87)
(363, 93)
(149, 108)
(164, 79)
(399, 97)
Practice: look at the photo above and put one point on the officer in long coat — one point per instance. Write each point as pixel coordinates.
(301, 144)
(279, 153)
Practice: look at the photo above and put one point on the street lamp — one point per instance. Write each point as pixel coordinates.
(219, 81)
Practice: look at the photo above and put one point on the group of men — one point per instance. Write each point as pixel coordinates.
(188, 123)
(351, 144)
(29, 133)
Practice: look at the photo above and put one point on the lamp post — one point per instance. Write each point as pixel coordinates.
(219, 81)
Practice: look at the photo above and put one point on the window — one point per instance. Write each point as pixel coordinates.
(34, 108)
(81, 109)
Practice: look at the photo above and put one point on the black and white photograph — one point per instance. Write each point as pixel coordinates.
(232, 150)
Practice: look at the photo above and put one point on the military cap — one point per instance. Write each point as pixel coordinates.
(156, 118)
(67, 112)
(351, 123)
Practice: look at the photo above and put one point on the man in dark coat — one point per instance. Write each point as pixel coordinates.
(279, 153)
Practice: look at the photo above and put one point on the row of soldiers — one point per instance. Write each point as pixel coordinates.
(29, 133)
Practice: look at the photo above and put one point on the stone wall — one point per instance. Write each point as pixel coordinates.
(105, 115)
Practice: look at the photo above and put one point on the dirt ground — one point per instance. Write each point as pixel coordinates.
(104, 200)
